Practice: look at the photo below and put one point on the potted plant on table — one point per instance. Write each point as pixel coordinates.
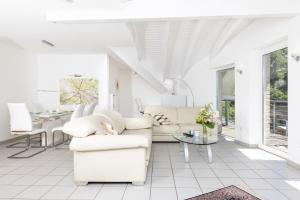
(206, 119)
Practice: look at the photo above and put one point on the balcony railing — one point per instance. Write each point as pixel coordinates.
(279, 117)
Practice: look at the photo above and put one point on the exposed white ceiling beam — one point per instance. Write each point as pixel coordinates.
(172, 31)
(129, 57)
(205, 42)
(143, 10)
(232, 29)
(137, 30)
(164, 47)
(198, 33)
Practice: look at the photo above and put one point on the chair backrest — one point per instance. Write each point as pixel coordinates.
(78, 112)
(20, 119)
(89, 109)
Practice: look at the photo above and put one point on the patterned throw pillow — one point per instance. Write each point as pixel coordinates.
(161, 119)
(155, 122)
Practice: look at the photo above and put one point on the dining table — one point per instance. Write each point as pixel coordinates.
(49, 120)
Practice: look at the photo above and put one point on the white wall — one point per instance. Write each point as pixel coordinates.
(18, 82)
(202, 81)
(119, 73)
(141, 89)
(52, 68)
(294, 93)
(131, 86)
(246, 51)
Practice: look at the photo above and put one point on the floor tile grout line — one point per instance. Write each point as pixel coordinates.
(152, 156)
(99, 191)
(197, 180)
(173, 174)
(124, 191)
(33, 185)
(217, 176)
(173, 167)
(26, 187)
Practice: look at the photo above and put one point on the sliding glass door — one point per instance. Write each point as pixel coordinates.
(226, 100)
(275, 96)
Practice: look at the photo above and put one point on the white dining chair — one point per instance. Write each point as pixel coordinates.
(89, 109)
(78, 112)
(21, 125)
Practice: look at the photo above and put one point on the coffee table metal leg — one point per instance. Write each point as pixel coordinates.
(186, 152)
(209, 153)
(181, 147)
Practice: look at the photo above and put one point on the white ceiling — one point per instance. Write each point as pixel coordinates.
(168, 45)
(24, 22)
(170, 49)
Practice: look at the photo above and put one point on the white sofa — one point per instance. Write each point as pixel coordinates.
(110, 158)
(182, 120)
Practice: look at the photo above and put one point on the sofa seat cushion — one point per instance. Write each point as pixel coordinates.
(108, 142)
(165, 129)
(142, 132)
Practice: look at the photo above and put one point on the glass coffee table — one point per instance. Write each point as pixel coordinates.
(208, 141)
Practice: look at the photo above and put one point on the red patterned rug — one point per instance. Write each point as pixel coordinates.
(227, 193)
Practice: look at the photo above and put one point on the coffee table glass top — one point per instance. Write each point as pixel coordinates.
(196, 140)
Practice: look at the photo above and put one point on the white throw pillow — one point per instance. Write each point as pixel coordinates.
(89, 109)
(84, 126)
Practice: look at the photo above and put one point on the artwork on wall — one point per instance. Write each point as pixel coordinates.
(78, 91)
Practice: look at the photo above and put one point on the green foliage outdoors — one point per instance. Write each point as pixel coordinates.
(279, 74)
(230, 110)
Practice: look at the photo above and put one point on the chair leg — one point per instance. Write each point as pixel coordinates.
(46, 142)
(68, 140)
(16, 155)
(41, 140)
(53, 137)
(16, 145)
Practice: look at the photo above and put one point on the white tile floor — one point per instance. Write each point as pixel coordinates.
(49, 175)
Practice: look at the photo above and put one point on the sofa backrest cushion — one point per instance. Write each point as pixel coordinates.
(169, 112)
(139, 123)
(116, 120)
(187, 115)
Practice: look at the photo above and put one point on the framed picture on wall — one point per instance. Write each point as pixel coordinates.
(78, 91)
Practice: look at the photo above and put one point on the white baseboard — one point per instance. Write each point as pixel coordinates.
(246, 144)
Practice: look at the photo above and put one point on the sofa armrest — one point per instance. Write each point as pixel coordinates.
(139, 123)
(108, 142)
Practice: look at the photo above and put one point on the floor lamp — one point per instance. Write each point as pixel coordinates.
(171, 83)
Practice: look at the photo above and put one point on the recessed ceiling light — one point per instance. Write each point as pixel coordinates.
(70, 1)
(48, 43)
(125, 1)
